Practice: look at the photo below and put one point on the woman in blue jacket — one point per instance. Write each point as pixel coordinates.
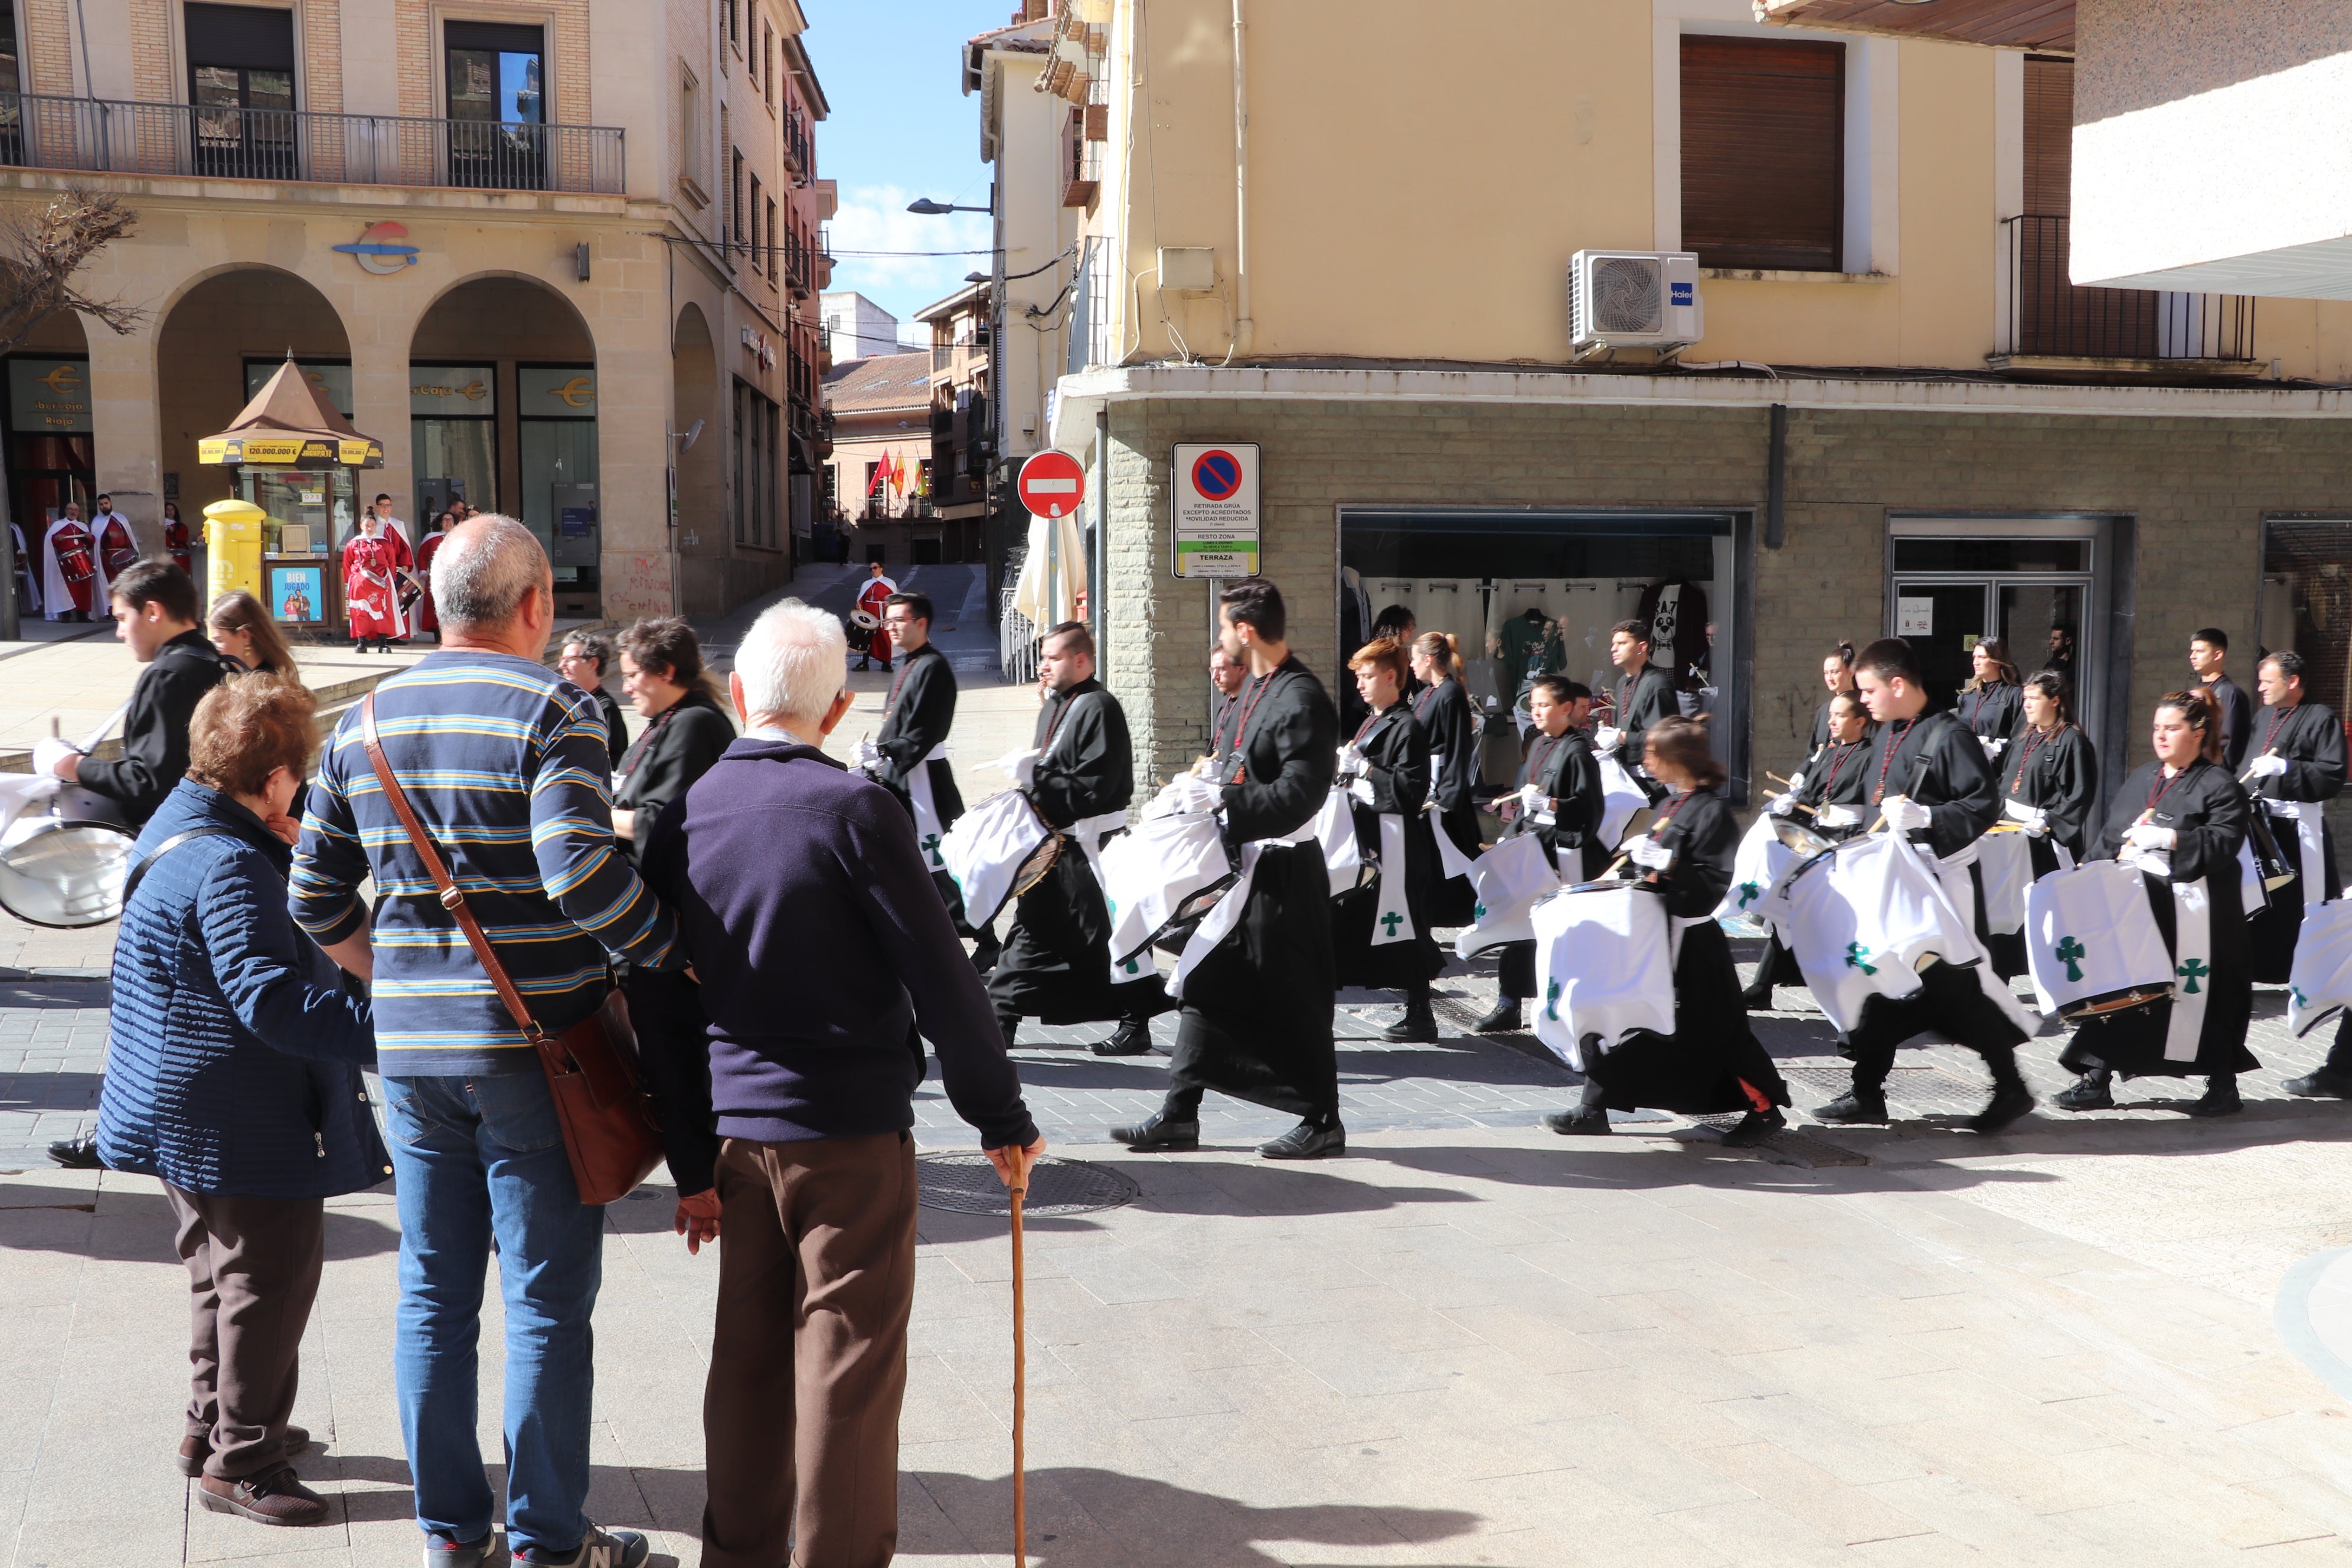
(232, 1076)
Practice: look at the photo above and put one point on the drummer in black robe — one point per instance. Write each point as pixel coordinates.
(1057, 964)
(2181, 819)
(1385, 770)
(1560, 802)
(1837, 675)
(2208, 655)
(1993, 703)
(1646, 694)
(1928, 777)
(1830, 796)
(1256, 1019)
(1713, 1063)
(1443, 710)
(2296, 763)
(1226, 674)
(916, 719)
(2049, 788)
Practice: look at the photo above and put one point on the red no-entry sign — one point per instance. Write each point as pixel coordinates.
(1052, 484)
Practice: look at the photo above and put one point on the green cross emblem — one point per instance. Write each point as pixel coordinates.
(2302, 1003)
(931, 849)
(1747, 893)
(2070, 953)
(1854, 956)
(2193, 971)
(1132, 967)
(1551, 1001)
(1477, 913)
(1390, 920)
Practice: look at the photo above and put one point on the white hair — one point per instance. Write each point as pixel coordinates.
(483, 569)
(794, 661)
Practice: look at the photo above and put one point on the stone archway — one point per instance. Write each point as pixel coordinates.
(242, 317)
(701, 471)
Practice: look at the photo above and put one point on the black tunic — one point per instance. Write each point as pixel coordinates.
(1936, 761)
(1837, 774)
(1642, 701)
(1056, 959)
(1221, 723)
(1698, 1070)
(616, 729)
(2311, 739)
(2237, 720)
(1992, 713)
(1568, 773)
(677, 747)
(1257, 1009)
(1397, 749)
(2208, 809)
(915, 723)
(2059, 773)
(1443, 712)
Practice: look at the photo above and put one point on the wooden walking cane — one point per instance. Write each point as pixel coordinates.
(1019, 1158)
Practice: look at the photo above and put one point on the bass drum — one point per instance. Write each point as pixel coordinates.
(64, 861)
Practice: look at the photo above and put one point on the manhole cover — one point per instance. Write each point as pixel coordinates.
(968, 1183)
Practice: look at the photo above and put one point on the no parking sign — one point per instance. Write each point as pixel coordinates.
(1217, 520)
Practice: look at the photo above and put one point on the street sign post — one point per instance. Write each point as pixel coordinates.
(1218, 526)
(1051, 483)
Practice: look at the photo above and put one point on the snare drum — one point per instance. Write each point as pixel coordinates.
(65, 854)
(1506, 879)
(1862, 920)
(1604, 966)
(2093, 943)
(1166, 870)
(996, 851)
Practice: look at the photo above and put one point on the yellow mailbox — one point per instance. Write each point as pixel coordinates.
(233, 548)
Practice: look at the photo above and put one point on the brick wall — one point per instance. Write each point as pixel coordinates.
(2199, 489)
(49, 46)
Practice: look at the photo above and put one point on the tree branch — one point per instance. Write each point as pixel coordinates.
(42, 248)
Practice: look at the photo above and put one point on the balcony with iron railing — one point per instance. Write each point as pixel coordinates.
(102, 136)
(2054, 321)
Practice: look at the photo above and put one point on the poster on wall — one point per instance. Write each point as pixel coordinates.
(298, 596)
(1915, 617)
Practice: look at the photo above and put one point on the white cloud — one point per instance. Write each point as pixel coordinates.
(873, 218)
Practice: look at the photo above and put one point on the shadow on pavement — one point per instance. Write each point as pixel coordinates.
(1079, 1515)
(1572, 1165)
(135, 1225)
(391, 1497)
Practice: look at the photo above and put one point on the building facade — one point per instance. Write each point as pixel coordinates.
(560, 260)
(1894, 414)
(856, 327)
(964, 439)
(879, 474)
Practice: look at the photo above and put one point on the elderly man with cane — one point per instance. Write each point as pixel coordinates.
(821, 947)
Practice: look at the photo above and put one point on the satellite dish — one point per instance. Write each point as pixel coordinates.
(693, 432)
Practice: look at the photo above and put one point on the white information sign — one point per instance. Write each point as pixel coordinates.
(1915, 617)
(1217, 514)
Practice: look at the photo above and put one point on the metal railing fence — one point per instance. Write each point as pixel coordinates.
(2049, 314)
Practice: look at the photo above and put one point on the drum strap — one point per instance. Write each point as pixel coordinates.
(2309, 831)
(928, 830)
(2192, 967)
(1450, 859)
(1226, 913)
(1090, 832)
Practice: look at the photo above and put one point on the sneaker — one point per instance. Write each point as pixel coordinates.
(274, 1496)
(197, 1447)
(1505, 1015)
(2008, 1102)
(1856, 1105)
(2092, 1091)
(1133, 1039)
(602, 1549)
(1576, 1123)
(463, 1553)
(1755, 1128)
(2320, 1083)
(1307, 1141)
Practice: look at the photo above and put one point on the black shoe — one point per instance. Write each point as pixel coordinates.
(2219, 1099)
(1011, 1028)
(2320, 1083)
(274, 1497)
(1307, 1141)
(985, 952)
(1576, 1123)
(2092, 1091)
(1757, 998)
(1755, 1128)
(863, 665)
(1857, 1104)
(2008, 1102)
(1160, 1136)
(1418, 1026)
(1133, 1039)
(77, 1154)
(1505, 1015)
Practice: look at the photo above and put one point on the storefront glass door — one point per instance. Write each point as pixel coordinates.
(2029, 583)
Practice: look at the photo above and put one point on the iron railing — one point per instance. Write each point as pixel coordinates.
(1016, 633)
(2048, 314)
(101, 136)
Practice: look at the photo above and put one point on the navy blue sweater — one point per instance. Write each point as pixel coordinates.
(235, 1046)
(821, 944)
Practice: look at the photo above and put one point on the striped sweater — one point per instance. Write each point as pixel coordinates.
(504, 762)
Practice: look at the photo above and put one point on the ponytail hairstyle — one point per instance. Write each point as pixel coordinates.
(1443, 650)
(2202, 714)
(1682, 744)
(1844, 651)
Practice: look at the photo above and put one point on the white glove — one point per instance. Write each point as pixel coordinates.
(48, 753)
(2037, 823)
(1992, 747)
(1648, 852)
(1353, 764)
(1796, 781)
(1783, 805)
(1188, 794)
(2148, 836)
(1836, 817)
(1904, 815)
(1531, 798)
(1361, 789)
(2269, 765)
(1608, 738)
(1021, 765)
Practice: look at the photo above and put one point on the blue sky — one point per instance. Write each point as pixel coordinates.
(901, 128)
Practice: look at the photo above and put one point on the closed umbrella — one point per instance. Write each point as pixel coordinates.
(1055, 574)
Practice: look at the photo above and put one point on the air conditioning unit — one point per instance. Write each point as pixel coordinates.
(1633, 298)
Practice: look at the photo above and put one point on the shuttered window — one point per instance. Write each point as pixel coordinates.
(1764, 154)
(2048, 135)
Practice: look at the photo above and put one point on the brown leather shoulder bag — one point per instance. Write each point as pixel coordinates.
(609, 1129)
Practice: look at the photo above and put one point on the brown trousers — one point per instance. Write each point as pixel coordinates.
(253, 1274)
(808, 1359)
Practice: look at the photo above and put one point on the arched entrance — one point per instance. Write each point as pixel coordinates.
(220, 341)
(51, 457)
(701, 476)
(503, 412)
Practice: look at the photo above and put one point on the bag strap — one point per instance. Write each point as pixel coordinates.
(452, 899)
(139, 872)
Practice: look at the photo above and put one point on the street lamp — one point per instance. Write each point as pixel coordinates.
(923, 206)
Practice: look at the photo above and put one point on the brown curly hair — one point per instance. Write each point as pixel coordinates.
(246, 730)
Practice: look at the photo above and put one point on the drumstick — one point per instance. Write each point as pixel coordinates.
(2248, 775)
(1776, 778)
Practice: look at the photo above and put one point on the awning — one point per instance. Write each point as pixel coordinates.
(290, 423)
(2043, 25)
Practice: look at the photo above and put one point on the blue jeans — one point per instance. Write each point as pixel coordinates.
(479, 1162)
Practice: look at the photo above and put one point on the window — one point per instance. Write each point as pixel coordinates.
(556, 426)
(453, 436)
(241, 86)
(790, 260)
(1763, 154)
(735, 198)
(768, 62)
(734, 9)
(757, 428)
(497, 103)
(11, 81)
(760, 260)
(2307, 602)
(693, 134)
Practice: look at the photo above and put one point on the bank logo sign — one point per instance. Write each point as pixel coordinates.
(381, 248)
(1218, 525)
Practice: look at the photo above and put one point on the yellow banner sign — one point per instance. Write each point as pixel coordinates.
(289, 449)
